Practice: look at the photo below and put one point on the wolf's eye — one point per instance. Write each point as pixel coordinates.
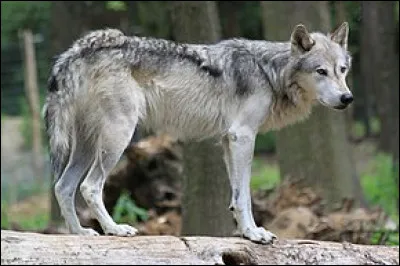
(322, 72)
(343, 69)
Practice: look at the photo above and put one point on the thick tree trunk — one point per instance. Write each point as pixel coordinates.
(206, 189)
(380, 66)
(341, 16)
(388, 78)
(316, 150)
(387, 89)
(33, 248)
(229, 12)
(368, 81)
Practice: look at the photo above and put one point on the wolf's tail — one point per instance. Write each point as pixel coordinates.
(58, 126)
(73, 124)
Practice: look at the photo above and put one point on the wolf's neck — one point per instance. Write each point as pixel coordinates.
(291, 102)
(274, 59)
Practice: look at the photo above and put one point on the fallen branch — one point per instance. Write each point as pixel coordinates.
(35, 248)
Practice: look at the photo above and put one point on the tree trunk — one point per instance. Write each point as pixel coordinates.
(367, 60)
(275, 24)
(229, 12)
(379, 61)
(33, 248)
(316, 150)
(206, 189)
(387, 69)
(341, 16)
(77, 18)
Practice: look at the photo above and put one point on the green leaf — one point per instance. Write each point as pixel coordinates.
(116, 5)
(126, 210)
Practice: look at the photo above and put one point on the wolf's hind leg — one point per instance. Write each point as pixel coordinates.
(113, 141)
(65, 190)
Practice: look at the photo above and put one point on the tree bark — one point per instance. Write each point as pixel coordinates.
(206, 189)
(387, 85)
(380, 66)
(316, 150)
(387, 89)
(341, 16)
(77, 18)
(368, 60)
(229, 12)
(33, 248)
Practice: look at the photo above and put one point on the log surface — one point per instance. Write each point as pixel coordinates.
(35, 248)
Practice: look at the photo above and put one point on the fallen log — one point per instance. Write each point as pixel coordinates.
(35, 248)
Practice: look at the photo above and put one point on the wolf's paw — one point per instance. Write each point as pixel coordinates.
(87, 232)
(121, 230)
(259, 235)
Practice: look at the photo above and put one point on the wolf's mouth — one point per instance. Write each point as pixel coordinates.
(340, 107)
(324, 103)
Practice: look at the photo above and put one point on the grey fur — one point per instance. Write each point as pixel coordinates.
(106, 83)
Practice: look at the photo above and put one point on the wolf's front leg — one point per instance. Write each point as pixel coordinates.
(238, 155)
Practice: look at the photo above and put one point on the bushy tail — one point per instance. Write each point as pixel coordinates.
(58, 129)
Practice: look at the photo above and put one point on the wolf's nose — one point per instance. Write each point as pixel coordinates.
(346, 98)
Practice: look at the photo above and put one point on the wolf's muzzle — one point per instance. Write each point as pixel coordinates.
(346, 98)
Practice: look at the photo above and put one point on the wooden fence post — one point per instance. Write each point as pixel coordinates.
(32, 94)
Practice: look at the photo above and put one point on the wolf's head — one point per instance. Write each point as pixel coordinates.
(322, 64)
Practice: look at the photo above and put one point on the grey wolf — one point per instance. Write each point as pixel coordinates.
(107, 83)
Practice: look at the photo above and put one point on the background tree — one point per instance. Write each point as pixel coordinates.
(206, 189)
(229, 13)
(380, 66)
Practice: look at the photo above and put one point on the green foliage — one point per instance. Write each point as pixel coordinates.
(5, 224)
(116, 5)
(153, 18)
(265, 142)
(126, 211)
(16, 15)
(358, 127)
(35, 222)
(251, 28)
(264, 175)
(26, 221)
(385, 238)
(379, 184)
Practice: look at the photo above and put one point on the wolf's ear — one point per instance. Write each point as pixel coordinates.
(301, 40)
(341, 34)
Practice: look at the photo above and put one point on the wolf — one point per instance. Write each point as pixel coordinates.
(108, 83)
